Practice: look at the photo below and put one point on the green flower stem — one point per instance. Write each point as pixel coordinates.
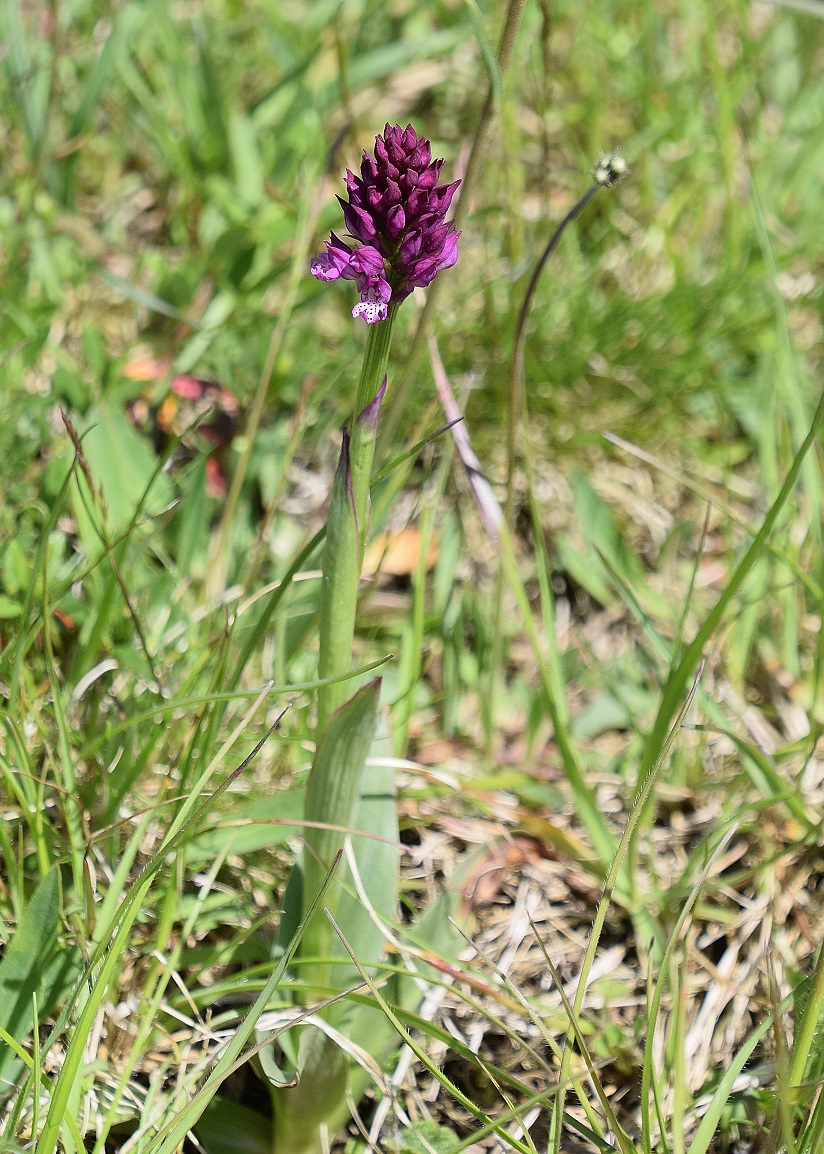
(375, 361)
(344, 733)
(339, 590)
(348, 526)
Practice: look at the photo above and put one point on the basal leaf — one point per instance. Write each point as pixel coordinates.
(32, 965)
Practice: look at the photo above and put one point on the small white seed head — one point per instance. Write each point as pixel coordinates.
(609, 169)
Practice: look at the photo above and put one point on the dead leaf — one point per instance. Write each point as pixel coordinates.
(507, 857)
(397, 554)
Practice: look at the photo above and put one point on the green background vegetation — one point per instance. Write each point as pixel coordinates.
(165, 172)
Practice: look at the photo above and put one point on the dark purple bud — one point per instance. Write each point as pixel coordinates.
(449, 254)
(396, 154)
(416, 202)
(410, 247)
(423, 271)
(433, 237)
(418, 160)
(359, 222)
(367, 260)
(409, 139)
(441, 197)
(395, 222)
(369, 168)
(393, 192)
(427, 181)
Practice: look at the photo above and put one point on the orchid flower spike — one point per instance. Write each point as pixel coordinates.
(396, 215)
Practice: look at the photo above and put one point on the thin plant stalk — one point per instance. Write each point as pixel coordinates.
(608, 171)
(339, 590)
(348, 525)
(516, 374)
(375, 364)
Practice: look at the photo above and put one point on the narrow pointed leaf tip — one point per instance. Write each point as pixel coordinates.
(344, 471)
(396, 214)
(368, 416)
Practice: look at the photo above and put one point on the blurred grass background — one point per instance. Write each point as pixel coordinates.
(165, 171)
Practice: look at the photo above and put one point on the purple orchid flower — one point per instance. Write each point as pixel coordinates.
(365, 266)
(396, 210)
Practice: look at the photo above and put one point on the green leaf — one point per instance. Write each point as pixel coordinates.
(436, 930)
(9, 608)
(227, 1127)
(332, 797)
(377, 860)
(586, 568)
(600, 715)
(33, 966)
(256, 825)
(122, 464)
(122, 31)
(378, 865)
(425, 1136)
(192, 524)
(339, 588)
(318, 1098)
(597, 523)
(219, 310)
(145, 299)
(246, 159)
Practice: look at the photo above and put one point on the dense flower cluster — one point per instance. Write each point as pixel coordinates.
(396, 210)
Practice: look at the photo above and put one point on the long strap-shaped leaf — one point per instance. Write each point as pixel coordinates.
(331, 799)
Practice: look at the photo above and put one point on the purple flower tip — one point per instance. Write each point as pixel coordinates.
(396, 214)
(344, 467)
